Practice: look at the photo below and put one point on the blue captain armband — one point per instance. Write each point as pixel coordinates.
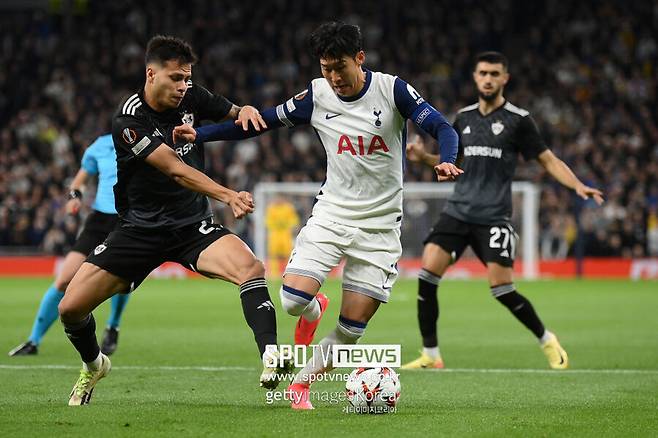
(413, 107)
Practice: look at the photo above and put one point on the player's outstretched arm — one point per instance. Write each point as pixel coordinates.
(294, 112)
(413, 107)
(561, 172)
(244, 115)
(166, 160)
(237, 130)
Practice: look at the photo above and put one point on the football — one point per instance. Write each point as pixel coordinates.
(373, 390)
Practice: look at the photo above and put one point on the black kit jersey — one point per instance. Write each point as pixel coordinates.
(490, 145)
(144, 196)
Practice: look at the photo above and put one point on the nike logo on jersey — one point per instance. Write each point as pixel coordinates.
(330, 116)
(467, 130)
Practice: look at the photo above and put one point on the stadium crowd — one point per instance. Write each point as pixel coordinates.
(585, 70)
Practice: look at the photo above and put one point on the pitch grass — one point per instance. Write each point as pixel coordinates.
(499, 384)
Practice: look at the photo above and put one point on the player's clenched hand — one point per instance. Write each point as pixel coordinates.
(73, 206)
(250, 114)
(447, 171)
(184, 134)
(416, 150)
(586, 192)
(242, 204)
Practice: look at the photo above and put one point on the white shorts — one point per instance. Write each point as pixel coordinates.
(371, 256)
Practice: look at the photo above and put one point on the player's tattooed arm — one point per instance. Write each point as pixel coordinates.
(565, 176)
(243, 115)
(166, 160)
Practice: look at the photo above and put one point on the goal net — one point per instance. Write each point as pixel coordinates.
(423, 203)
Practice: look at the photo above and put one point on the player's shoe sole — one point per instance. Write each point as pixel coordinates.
(84, 387)
(299, 394)
(424, 362)
(556, 355)
(305, 330)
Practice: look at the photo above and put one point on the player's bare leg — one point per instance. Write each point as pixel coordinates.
(355, 312)
(229, 258)
(72, 263)
(502, 288)
(89, 287)
(435, 262)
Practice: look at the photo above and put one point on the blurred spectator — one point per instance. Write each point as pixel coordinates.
(586, 70)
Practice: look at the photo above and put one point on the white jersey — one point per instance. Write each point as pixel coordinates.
(364, 142)
(364, 138)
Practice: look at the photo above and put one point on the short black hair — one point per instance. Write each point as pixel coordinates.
(490, 57)
(163, 48)
(336, 39)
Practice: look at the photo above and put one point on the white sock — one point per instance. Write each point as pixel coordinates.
(95, 365)
(322, 360)
(312, 310)
(545, 337)
(433, 352)
(316, 365)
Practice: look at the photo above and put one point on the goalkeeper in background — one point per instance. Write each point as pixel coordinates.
(281, 219)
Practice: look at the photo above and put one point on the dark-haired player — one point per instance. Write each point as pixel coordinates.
(360, 117)
(492, 133)
(161, 198)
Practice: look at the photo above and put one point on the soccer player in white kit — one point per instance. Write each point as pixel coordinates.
(360, 117)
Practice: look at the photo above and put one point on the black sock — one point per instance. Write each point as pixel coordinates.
(259, 312)
(428, 307)
(520, 307)
(83, 337)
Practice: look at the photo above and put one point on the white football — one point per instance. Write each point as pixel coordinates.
(373, 390)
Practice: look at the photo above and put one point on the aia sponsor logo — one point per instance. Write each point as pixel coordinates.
(375, 144)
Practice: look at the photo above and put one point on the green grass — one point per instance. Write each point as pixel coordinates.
(497, 383)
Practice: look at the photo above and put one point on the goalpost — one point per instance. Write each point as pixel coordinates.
(423, 202)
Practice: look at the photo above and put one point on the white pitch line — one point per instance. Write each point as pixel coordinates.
(446, 370)
(127, 367)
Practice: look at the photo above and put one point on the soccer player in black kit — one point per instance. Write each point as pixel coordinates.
(492, 133)
(161, 198)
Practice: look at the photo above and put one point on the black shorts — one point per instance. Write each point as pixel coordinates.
(132, 253)
(491, 243)
(96, 228)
